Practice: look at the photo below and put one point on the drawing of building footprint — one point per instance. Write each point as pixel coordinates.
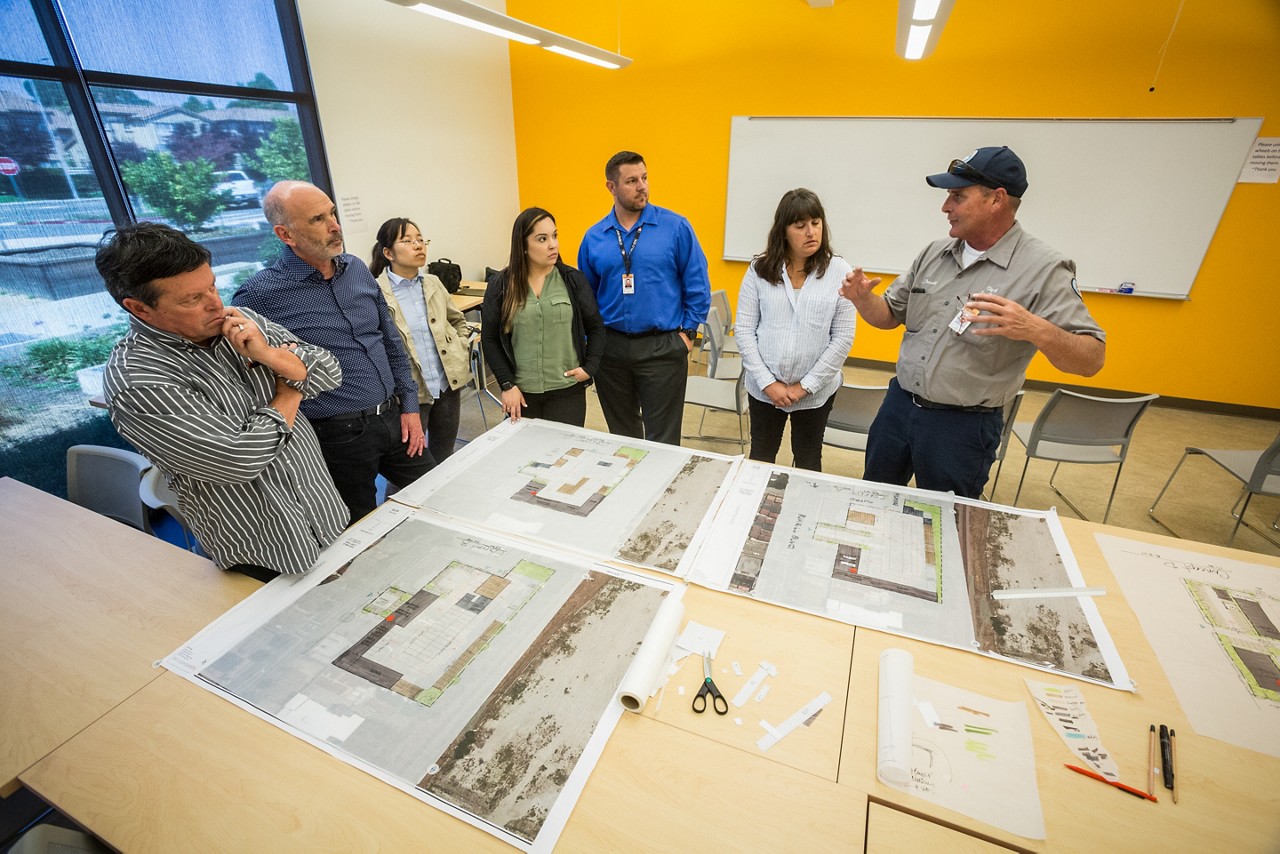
(1247, 626)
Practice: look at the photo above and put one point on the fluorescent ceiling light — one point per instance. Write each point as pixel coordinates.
(473, 23)
(925, 10)
(573, 54)
(916, 41)
(479, 17)
(920, 24)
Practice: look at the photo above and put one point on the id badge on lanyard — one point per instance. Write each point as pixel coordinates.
(628, 279)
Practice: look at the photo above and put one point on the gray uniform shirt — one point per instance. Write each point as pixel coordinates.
(979, 370)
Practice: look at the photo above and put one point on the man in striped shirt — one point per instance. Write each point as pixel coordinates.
(210, 394)
(369, 425)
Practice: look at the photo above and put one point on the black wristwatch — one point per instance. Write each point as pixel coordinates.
(689, 333)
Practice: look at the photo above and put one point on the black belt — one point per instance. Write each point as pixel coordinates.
(363, 413)
(648, 334)
(929, 404)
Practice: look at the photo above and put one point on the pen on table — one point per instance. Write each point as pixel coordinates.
(1151, 762)
(1166, 757)
(1173, 761)
(1137, 793)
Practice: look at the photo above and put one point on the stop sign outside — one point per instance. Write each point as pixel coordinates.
(8, 166)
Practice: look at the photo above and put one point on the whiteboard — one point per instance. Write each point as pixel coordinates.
(1129, 200)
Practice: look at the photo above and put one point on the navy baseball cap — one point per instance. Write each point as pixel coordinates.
(990, 167)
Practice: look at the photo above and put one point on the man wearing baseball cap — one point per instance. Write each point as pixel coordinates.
(976, 308)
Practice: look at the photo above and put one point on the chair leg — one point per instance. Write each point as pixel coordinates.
(1067, 501)
(1240, 518)
(1151, 511)
(1025, 463)
(1115, 483)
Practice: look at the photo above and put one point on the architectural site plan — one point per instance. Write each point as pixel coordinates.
(1214, 623)
(470, 671)
(911, 562)
(593, 493)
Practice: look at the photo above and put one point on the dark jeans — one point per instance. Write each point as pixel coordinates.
(440, 422)
(565, 405)
(357, 450)
(641, 385)
(946, 450)
(807, 428)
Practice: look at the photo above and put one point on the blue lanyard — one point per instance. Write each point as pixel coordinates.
(626, 253)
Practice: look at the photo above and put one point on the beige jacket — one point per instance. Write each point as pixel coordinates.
(448, 327)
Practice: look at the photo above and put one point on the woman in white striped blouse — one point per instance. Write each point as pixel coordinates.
(794, 331)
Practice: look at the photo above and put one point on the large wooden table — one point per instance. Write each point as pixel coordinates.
(87, 606)
(157, 764)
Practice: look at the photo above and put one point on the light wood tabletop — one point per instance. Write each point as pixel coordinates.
(151, 762)
(1228, 796)
(88, 605)
(810, 655)
(177, 769)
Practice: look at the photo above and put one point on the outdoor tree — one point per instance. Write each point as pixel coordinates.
(282, 156)
(181, 192)
(216, 144)
(259, 81)
(195, 105)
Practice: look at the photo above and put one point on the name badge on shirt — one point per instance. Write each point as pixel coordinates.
(628, 283)
(965, 316)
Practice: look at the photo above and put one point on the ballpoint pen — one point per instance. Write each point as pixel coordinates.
(1173, 761)
(1137, 793)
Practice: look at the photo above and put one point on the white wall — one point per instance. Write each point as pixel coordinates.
(417, 122)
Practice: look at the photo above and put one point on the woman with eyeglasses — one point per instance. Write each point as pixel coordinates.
(435, 333)
(794, 331)
(541, 329)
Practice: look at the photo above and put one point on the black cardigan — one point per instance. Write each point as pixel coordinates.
(588, 328)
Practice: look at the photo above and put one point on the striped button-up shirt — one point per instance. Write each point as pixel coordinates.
(253, 490)
(348, 317)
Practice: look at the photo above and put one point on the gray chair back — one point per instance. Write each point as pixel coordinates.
(720, 302)
(106, 480)
(718, 367)
(1072, 418)
(855, 407)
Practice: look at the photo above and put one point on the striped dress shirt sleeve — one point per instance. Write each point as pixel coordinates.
(253, 490)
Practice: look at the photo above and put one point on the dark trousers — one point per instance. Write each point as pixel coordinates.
(357, 450)
(564, 405)
(641, 385)
(807, 429)
(440, 422)
(947, 450)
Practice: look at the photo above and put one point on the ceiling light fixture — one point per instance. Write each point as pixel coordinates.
(487, 20)
(920, 24)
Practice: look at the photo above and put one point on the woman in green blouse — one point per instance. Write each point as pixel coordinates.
(542, 334)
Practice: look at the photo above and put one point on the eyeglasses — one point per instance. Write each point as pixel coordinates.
(414, 241)
(972, 173)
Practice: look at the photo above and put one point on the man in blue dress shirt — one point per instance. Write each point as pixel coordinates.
(369, 424)
(650, 279)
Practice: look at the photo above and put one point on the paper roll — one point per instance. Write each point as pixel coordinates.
(893, 745)
(650, 663)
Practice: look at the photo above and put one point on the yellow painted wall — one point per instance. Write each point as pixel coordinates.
(697, 64)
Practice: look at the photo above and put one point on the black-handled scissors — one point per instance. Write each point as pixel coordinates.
(718, 701)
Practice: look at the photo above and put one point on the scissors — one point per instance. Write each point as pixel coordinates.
(718, 701)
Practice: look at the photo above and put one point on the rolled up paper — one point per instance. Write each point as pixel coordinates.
(649, 665)
(893, 745)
